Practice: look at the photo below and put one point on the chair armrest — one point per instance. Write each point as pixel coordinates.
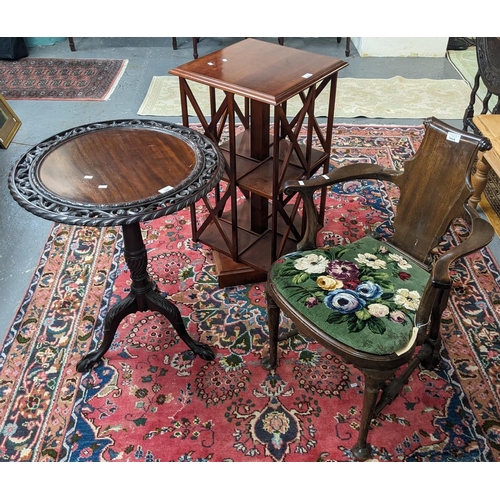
(482, 233)
(307, 188)
(349, 172)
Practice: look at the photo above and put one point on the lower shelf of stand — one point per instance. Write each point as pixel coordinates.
(254, 258)
(255, 250)
(231, 273)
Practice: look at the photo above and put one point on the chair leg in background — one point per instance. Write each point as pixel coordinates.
(195, 47)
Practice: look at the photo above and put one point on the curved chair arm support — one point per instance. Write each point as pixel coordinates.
(349, 172)
(307, 188)
(481, 234)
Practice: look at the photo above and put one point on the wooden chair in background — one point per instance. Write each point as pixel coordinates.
(488, 74)
(195, 45)
(377, 302)
(281, 41)
(195, 42)
(347, 44)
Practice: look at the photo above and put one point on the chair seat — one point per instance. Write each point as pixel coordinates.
(364, 294)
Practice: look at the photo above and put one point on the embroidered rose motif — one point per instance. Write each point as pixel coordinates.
(351, 285)
(402, 263)
(409, 300)
(344, 301)
(344, 271)
(398, 316)
(378, 310)
(312, 264)
(311, 302)
(329, 283)
(370, 260)
(369, 290)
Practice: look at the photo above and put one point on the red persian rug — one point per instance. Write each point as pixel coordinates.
(151, 400)
(60, 79)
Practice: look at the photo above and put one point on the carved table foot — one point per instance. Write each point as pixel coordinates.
(125, 307)
(162, 305)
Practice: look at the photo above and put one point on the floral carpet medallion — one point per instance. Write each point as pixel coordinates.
(150, 399)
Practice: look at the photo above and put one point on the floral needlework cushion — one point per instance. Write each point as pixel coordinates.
(363, 294)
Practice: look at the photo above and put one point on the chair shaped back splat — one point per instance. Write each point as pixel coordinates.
(488, 74)
(377, 302)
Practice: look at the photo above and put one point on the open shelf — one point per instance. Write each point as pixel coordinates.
(257, 176)
(260, 158)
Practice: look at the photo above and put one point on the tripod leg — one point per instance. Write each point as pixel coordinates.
(113, 319)
(143, 296)
(162, 305)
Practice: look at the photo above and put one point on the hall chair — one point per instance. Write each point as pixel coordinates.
(347, 44)
(488, 74)
(195, 41)
(487, 80)
(377, 302)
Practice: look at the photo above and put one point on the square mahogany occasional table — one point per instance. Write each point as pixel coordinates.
(247, 236)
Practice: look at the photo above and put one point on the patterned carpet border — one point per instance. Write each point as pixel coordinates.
(60, 79)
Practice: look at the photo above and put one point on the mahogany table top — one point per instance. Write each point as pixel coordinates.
(264, 71)
(116, 172)
(489, 125)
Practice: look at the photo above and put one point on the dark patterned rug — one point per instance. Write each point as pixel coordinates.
(60, 79)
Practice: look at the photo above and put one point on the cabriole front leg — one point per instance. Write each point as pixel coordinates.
(374, 380)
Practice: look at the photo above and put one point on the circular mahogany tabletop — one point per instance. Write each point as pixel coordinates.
(116, 172)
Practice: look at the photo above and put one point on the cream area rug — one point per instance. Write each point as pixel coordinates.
(395, 97)
(465, 62)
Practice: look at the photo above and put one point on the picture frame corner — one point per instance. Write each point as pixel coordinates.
(9, 123)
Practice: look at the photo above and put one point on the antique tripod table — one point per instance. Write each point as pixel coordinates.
(120, 173)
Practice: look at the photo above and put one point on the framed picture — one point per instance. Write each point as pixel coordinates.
(9, 123)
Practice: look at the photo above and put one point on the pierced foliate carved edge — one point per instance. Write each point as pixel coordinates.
(488, 60)
(27, 190)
